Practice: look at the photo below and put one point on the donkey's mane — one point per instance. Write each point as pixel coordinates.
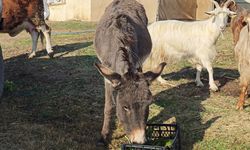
(128, 41)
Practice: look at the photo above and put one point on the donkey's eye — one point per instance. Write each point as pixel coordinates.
(125, 108)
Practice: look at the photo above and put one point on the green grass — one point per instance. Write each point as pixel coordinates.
(220, 144)
(72, 25)
(58, 103)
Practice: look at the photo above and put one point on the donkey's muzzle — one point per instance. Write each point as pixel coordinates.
(138, 136)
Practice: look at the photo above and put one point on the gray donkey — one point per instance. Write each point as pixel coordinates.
(122, 44)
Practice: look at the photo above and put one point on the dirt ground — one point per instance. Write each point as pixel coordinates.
(58, 103)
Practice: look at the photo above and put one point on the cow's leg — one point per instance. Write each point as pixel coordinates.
(241, 101)
(18, 29)
(34, 36)
(107, 113)
(198, 75)
(33, 32)
(46, 32)
(207, 64)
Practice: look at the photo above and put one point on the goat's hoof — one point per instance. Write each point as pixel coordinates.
(101, 142)
(51, 54)
(239, 106)
(31, 55)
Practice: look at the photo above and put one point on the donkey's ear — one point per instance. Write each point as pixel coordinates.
(111, 76)
(152, 75)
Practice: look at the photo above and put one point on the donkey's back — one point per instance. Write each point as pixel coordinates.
(123, 25)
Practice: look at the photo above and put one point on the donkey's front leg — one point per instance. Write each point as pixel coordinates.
(107, 113)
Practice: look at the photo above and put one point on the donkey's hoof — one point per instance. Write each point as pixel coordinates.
(51, 54)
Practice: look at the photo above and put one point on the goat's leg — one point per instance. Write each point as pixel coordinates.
(209, 68)
(34, 36)
(241, 101)
(198, 75)
(246, 94)
(46, 32)
(107, 113)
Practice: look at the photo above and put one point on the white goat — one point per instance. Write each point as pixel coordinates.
(192, 40)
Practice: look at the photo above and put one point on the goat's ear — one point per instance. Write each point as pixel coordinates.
(111, 76)
(210, 13)
(152, 75)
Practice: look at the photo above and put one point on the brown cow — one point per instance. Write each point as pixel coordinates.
(18, 15)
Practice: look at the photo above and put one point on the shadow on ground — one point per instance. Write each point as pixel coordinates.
(64, 49)
(184, 102)
(52, 103)
(226, 79)
(58, 103)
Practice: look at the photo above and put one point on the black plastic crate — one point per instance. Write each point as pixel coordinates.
(159, 137)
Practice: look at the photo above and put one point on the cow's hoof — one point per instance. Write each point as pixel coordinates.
(51, 55)
(31, 55)
(214, 88)
(199, 84)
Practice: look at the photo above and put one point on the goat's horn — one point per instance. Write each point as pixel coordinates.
(228, 2)
(216, 4)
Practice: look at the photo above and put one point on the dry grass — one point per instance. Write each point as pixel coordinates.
(58, 103)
